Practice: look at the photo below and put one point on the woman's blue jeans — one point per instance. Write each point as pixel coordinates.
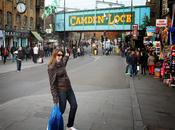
(69, 96)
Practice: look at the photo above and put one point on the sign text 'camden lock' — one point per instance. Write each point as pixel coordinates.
(101, 19)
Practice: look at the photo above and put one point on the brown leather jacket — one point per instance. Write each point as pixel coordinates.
(59, 80)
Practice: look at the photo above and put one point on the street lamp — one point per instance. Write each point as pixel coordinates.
(64, 26)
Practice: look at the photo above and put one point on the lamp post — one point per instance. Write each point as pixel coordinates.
(131, 14)
(64, 43)
(123, 20)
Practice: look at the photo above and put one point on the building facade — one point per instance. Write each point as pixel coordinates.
(18, 21)
(155, 6)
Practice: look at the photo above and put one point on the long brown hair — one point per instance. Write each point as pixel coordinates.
(53, 57)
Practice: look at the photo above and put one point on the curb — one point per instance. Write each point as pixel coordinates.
(136, 111)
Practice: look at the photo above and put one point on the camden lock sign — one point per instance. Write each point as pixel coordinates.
(102, 19)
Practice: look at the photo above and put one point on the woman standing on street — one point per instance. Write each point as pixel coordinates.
(60, 85)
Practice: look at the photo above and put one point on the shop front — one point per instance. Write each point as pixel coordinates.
(22, 38)
(35, 38)
(9, 38)
(16, 38)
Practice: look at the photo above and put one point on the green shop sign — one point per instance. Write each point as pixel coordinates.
(102, 19)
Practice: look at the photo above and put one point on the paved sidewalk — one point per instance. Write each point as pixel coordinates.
(98, 114)
(11, 66)
(156, 102)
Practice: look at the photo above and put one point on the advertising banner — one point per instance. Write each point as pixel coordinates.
(102, 19)
(150, 30)
(161, 22)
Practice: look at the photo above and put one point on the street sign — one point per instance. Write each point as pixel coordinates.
(161, 22)
(150, 30)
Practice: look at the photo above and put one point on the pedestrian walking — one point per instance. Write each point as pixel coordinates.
(35, 53)
(19, 58)
(151, 63)
(60, 84)
(41, 55)
(1, 51)
(129, 70)
(143, 62)
(5, 54)
(12, 50)
(27, 52)
(74, 50)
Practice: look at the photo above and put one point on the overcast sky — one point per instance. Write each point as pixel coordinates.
(90, 4)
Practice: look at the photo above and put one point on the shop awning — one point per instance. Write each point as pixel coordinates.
(37, 36)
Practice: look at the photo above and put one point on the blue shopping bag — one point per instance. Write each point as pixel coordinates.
(55, 121)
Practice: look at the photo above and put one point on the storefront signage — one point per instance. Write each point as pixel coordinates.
(150, 30)
(101, 19)
(9, 33)
(161, 22)
(119, 18)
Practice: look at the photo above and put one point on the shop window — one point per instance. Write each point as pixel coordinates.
(25, 20)
(18, 21)
(31, 4)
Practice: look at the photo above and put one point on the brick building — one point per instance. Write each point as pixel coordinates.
(20, 23)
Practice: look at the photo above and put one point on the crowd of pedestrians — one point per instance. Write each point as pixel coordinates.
(140, 59)
(18, 54)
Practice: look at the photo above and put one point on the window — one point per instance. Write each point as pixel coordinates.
(25, 20)
(20, 1)
(31, 22)
(31, 3)
(9, 19)
(1, 18)
(18, 21)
